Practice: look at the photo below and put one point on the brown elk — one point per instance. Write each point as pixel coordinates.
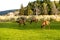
(45, 23)
(33, 19)
(21, 21)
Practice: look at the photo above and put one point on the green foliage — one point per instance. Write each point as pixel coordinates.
(53, 8)
(22, 10)
(30, 12)
(40, 7)
(14, 25)
(45, 11)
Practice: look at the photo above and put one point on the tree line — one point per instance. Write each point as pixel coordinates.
(39, 7)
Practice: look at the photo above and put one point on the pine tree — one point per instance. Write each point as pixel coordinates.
(37, 8)
(30, 12)
(21, 12)
(53, 8)
(46, 1)
(45, 11)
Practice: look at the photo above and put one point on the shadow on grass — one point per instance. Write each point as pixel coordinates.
(28, 26)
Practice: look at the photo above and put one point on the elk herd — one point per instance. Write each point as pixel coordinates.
(23, 20)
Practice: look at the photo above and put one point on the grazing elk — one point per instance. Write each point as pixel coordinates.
(33, 19)
(21, 20)
(45, 23)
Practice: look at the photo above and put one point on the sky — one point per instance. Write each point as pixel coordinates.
(13, 4)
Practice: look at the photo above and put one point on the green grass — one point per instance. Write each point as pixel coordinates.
(15, 34)
(53, 25)
(14, 31)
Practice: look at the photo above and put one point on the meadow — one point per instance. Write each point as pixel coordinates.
(14, 31)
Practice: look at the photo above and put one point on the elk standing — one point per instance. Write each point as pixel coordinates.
(21, 20)
(33, 19)
(44, 23)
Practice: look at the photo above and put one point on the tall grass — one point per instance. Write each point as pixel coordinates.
(53, 25)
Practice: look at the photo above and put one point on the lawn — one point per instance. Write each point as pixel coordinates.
(15, 34)
(14, 31)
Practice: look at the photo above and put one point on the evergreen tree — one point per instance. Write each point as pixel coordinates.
(37, 8)
(59, 2)
(40, 7)
(53, 8)
(45, 11)
(30, 12)
(46, 1)
(21, 12)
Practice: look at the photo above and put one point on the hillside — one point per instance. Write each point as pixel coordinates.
(7, 11)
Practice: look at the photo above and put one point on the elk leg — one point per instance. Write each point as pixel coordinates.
(24, 23)
(30, 22)
(43, 26)
(49, 27)
(19, 25)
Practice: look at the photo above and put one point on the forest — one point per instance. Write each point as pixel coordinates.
(39, 7)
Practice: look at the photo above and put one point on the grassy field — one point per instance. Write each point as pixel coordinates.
(14, 31)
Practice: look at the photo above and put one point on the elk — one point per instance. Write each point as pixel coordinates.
(21, 20)
(45, 23)
(33, 19)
